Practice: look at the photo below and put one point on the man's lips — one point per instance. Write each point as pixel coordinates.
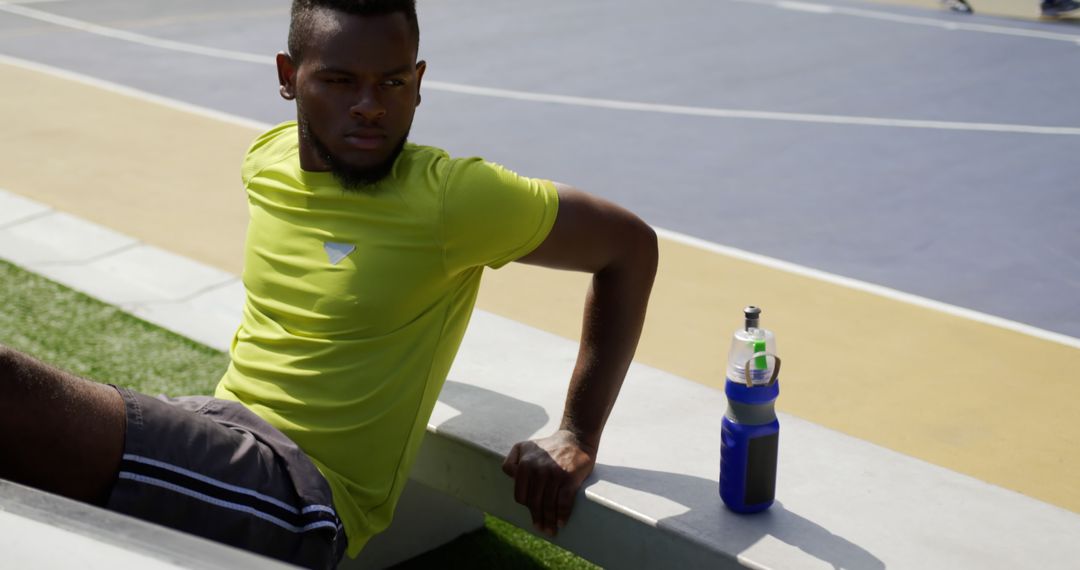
(365, 139)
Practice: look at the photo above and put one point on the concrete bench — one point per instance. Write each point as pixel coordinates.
(652, 501)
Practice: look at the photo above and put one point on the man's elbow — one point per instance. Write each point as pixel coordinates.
(640, 246)
(650, 247)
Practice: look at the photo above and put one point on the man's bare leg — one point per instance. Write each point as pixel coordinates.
(58, 432)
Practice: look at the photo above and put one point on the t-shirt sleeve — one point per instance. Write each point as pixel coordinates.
(492, 216)
(268, 148)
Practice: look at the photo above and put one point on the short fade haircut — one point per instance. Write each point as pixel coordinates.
(303, 17)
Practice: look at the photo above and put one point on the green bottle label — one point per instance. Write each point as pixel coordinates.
(760, 362)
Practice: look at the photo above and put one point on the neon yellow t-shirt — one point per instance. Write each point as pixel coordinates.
(357, 303)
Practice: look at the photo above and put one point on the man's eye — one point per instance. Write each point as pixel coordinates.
(393, 83)
(338, 80)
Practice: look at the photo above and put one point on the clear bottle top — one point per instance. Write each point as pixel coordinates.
(753, 347)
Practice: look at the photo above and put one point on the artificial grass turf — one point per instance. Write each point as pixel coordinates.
(98, 341)
(498, 544)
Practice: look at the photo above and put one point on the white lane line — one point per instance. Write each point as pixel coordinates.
(698, 243)
(805, 7)
(871, 288)
(133, 37)
(610, 104)
(915, 20)
(134, 93)
(744, 114)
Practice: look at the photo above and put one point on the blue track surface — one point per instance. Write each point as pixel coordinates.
(981, 219)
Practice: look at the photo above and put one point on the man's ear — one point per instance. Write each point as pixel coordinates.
(286, 73)
(420, 67)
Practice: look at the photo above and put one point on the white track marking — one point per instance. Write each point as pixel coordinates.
(915, 20)
(871, 288)
(744, 114)
(610, 104)
(134, 93)
(127, 36)
(805, 7)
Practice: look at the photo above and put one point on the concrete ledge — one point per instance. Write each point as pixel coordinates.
(192, 299)
(652, 501)
(425, 519)
(40, 530)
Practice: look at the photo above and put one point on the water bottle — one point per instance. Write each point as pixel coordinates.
(750, 431)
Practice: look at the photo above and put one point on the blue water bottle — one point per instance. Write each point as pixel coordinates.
(750, 431)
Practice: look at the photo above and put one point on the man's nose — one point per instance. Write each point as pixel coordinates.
(368, 106)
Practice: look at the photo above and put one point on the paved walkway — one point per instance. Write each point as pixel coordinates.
(930, 380)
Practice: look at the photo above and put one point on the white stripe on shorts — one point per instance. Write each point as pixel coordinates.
(226, 504)
(227, 486)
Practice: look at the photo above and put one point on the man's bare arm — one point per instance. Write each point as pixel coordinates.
(595, 236)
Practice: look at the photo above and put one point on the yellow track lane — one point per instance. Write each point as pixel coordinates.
(1015, 9)
(974, 398)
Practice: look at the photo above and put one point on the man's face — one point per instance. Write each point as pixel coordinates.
(356, 91)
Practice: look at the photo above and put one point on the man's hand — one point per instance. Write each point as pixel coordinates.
(547, 475)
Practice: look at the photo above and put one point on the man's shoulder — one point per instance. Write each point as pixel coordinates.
(427, 165)
(438, 164)
(277, 144)
(419, 157)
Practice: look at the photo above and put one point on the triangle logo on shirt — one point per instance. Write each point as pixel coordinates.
(338, 251)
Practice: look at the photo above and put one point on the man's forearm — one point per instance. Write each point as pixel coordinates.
(613, 318)
(593, 235)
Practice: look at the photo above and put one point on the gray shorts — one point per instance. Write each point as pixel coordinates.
(214, 469)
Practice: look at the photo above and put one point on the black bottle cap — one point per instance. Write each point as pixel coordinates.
(753, 315)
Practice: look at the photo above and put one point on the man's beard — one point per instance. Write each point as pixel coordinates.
(351, 178)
